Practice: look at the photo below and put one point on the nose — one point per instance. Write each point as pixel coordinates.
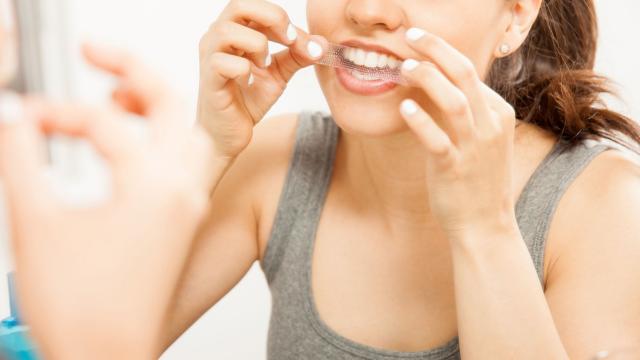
(371, 14)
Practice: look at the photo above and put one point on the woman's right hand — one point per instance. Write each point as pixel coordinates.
(239, 80)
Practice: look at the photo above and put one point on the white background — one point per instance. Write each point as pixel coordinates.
(166, 34)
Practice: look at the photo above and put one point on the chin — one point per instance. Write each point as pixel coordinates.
(369, 121)
(371, 116)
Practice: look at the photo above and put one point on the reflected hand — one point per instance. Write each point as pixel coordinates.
(96, 282)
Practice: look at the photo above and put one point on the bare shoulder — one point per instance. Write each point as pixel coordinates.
(260, 170)
(593, 283)
(597, 218)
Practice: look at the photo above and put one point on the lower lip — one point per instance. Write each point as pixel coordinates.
(363, 87)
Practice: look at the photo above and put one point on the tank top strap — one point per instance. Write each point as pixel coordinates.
(546, 186)
(304, 190)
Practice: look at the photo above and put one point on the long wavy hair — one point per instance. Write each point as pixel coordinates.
(551, 83)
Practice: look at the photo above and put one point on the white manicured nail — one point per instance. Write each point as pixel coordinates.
(409, 107)
(314, 49)
(410, 64)
(292, 33)
(11, 108)
(251, 80)
(267, 61)
(414, 34)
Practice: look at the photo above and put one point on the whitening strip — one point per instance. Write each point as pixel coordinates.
(334, 57)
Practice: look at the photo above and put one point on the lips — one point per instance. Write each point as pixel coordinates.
(362, 87)
(361, 79)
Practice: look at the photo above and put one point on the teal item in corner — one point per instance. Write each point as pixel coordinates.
(14, 336)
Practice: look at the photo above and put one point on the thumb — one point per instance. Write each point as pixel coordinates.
(305, 51)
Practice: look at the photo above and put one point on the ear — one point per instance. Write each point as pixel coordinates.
(523, 15)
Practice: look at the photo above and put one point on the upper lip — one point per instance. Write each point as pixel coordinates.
(372, 47)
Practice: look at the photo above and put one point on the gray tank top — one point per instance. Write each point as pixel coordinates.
(296, 330)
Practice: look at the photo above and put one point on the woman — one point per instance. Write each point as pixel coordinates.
(97, 282)
(440, 220)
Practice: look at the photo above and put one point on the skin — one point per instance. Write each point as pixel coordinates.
(402, 229)
(74, 259)
(400, 240)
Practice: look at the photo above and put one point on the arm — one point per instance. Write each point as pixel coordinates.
(228, 244)
(593, 287)
(224, 249)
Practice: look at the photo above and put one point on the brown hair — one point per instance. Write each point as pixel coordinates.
(550, 80)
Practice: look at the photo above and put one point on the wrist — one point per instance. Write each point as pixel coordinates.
(219, 167)
(489, 229)
(213, 163)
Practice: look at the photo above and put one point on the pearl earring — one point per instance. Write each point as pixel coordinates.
(505, 49)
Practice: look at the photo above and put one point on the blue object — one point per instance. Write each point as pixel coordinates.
(14, 336)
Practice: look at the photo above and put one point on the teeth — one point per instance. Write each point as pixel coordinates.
(371, 59)
(360, 57)
(382, 61)
(367, 77)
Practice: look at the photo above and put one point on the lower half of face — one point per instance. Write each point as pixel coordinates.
(362, 104)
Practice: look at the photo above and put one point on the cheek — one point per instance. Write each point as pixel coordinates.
(473, 27)
(324, 16)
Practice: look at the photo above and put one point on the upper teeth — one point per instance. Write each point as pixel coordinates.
(371, 59)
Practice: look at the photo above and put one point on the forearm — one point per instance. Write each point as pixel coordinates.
(501, 308)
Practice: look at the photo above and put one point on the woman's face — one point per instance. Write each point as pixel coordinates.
(474, 27)
(7, 43)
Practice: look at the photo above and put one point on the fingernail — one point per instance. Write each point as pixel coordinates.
(251, 79)
(314, 49)
(408, 107)
(414, 34)
(292, 33)
(267, 61)
(410, 64)
(11, 108)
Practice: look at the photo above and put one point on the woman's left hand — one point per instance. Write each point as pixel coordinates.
(469, 135)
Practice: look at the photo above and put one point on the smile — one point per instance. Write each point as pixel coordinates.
(367, 72)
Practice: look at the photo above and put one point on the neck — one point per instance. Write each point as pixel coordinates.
(387, 175)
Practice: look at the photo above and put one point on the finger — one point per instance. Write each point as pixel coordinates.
(429, 133)
(219, 69)
(505, 111)
(449, 100)
(304, 52)
(104, 128)
(456, 66)
(22, 156)
(236, 39)
(144, 90)
(261, 14)
(282, 65)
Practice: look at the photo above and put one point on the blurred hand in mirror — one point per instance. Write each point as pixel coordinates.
(96, 282)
